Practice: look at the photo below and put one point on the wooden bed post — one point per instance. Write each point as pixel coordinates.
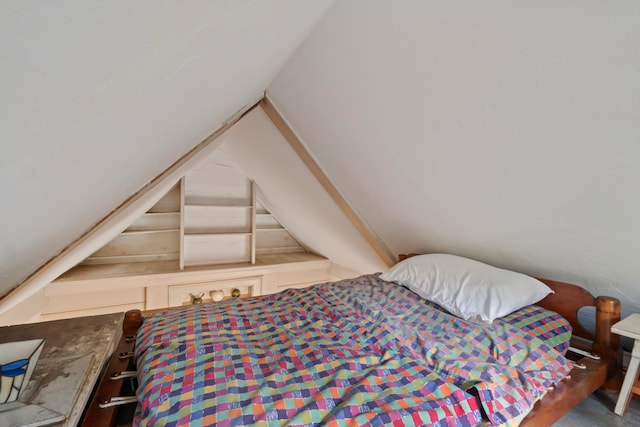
(607, 343)
(132, 322)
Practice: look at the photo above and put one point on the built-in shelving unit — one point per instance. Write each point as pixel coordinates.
(212, 216)
(210, 233)
(271, 236)
(218, 215)
(155, 236)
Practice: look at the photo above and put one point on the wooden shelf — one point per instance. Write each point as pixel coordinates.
(129, 232)
(122, 259)
(211, 217)
(226, 233)
(156, 221)
(110, 271)
(204, 205)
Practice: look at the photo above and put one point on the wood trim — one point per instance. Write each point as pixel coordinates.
(253, 222)
(118, 219)
(286, 131)
(182, 189)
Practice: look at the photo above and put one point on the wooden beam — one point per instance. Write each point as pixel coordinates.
(118, 219)
(375, 243)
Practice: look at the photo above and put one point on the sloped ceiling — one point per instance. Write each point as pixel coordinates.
(504, 131)
(99, 98)
(295, 196)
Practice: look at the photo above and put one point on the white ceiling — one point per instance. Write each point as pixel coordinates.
(505, 131)
(98, 98)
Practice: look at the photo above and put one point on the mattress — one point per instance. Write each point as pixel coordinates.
(356, 352)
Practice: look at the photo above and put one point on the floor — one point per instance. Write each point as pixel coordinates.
(597, 411)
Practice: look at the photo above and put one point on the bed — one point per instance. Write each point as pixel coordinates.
(363, 351)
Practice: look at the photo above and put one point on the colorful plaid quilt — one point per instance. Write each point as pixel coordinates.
(359, 352)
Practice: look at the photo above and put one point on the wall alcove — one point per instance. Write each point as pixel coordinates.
(211, 232)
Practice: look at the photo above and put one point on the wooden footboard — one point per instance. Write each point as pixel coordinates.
(567, 300)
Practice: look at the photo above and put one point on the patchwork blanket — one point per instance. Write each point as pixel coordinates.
(361, 352)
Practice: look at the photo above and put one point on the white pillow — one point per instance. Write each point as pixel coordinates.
(466, 288)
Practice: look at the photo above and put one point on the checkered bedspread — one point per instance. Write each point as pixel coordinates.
(356, 352)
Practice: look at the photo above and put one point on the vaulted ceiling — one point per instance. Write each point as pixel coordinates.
(504, 131)
(98, 99)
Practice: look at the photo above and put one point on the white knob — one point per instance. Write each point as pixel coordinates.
(217, 295)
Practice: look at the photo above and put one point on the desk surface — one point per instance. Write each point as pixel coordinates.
(628, 327)
(74, 353)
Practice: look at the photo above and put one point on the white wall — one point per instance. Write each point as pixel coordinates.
(505, 131)
(99, 98)
(294, 196)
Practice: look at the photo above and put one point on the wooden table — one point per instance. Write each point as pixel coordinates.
(74, 354)
(629, 327)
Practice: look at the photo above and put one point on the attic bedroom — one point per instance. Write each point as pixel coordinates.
(160, 154)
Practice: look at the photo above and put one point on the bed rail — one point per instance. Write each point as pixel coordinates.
(95, 416)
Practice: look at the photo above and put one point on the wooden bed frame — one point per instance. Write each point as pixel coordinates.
(566, 300)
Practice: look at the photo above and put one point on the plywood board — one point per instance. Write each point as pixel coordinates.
(204, 193)
(216, 219)
(90, 300)
(274, 239)
(169, 202)
(289, 278)
(93, 312)
(204, 249)
(156, 221)
(142, 243)
(267, 221)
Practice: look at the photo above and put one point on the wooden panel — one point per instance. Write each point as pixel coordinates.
(216, 194)
(91, 300)
(252, 219)
(204, 249)
(267, 239)
(181, 259)
(216, 219)
(296, 286)
(27, 312)
(156, 221)
(288, 278)
(93, 311)
(142, 243)
(267, 221)
(169, 203)
(260, 208)
(282, 250)
(156, 297)
(124, 259)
